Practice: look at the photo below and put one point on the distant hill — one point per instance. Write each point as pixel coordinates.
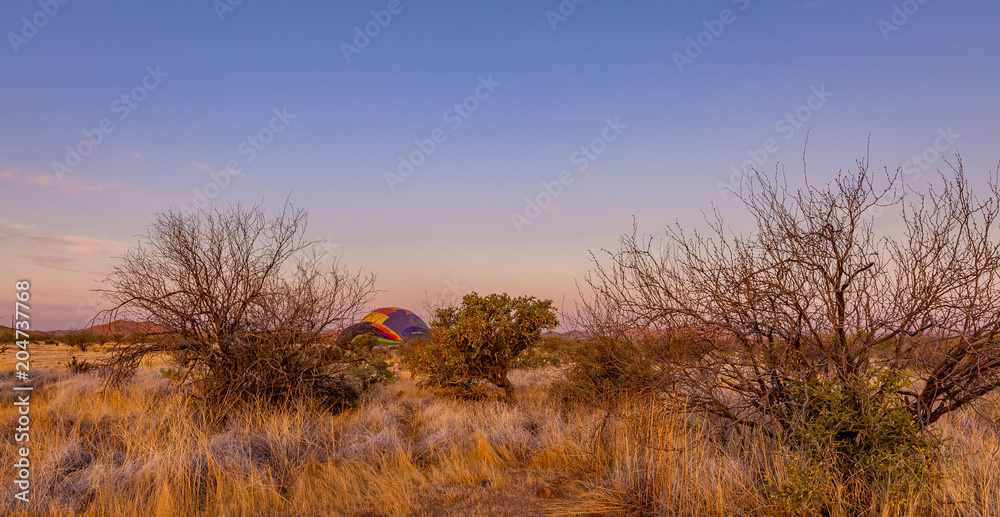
(125, 327)
(5, 329)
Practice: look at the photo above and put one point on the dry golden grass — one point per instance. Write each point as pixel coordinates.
(145, 451)
(54, 356)
(51, 356)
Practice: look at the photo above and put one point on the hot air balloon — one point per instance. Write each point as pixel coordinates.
(390, 325)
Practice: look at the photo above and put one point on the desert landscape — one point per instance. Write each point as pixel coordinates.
(393, 258)
(769, 374)
(143, 450)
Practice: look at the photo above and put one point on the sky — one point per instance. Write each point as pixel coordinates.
(459, 146)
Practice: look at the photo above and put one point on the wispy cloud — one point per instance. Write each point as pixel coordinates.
(10, 231)
(128, 155)
(12, 179)
(204, 167)
(50, 261)
(7, 226)
(64, 252)
(79, 245)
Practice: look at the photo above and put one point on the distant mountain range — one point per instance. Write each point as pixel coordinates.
(123, 327)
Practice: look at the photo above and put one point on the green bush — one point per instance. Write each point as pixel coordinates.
(480, 340)
(548, 351)
(372, 368)
(604, 369)
(859, 446)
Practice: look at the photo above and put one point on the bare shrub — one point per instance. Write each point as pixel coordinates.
(84, 339)
(241, 303)
(816, 292)
(7, 339)
(827, 332)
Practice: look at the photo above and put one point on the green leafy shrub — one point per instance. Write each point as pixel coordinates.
(365, 363)
(174, 374)
(548, 351)
(480, 340)
(859, 446)
(627, 360)
(603, 369)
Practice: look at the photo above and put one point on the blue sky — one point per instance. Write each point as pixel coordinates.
(560, 75)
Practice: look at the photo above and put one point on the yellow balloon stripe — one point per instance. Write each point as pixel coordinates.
(376, 317)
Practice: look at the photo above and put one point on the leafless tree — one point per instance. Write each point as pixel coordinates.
(241, 302)
(818, 290)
